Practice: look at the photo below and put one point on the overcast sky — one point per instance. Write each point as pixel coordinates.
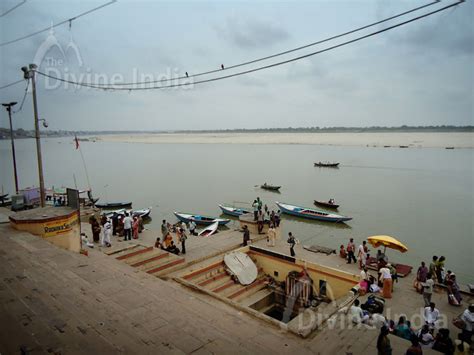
(419, 74)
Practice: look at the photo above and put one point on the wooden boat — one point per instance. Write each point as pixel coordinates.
(311, 213)
(326, 204)
(209, 230)
(144, 213)
(198, 219)
(233, 211)
(111, 205)
(327, 165)
(270, 187)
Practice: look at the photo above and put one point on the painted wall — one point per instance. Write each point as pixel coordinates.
(63, 231)
(338, 283)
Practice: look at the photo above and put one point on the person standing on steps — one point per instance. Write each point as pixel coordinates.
(350, 251)
(292, 241)
(246, 236)
(127, 227)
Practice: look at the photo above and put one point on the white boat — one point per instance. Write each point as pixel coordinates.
(242, 266)
(142, 213)
(209, 230)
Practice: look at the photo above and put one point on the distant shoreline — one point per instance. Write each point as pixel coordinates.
(21, 133)
(454, 140)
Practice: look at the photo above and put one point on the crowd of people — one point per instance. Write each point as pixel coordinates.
(122, 225)
(181, 230)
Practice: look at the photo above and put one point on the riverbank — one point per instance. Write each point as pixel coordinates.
(376, 139)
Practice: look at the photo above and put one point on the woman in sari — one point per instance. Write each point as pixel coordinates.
(454, 295)
(135, 226)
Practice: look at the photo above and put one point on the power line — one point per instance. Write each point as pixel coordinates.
(11, 84)
(69, 20)
(263, 67)
(280, 53)
(13, 8)
(24, 97)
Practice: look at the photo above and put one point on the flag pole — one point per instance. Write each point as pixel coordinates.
(83, 162)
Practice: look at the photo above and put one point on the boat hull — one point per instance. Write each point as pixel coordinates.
(113, 205)
(231, 211)
(209, 230)
(326, 204)
(309, 213)
(270, 188)
(198, 219)
(325, 165)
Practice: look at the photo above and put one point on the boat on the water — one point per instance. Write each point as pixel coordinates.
(327, 204)
(265, 186)
(3, 197)
(327, 165)
(144, 213)
(311, 213)
(111, 205)
(199, 219)
(209, 230)
(233, 211)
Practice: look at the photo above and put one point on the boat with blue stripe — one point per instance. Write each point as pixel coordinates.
(233, 211)
(310, 213)
(199, 219)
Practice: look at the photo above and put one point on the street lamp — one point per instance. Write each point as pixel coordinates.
(30, 73)
(9, 106)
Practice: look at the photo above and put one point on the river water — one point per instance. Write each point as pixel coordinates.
(422, 196)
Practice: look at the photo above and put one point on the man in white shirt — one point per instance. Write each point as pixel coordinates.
(362, 255)
(431, 315)
(468, 318)
(427, 289)
(127, 227)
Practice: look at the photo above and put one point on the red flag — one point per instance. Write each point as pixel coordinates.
(77, 141)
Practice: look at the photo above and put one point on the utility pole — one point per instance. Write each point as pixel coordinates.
(30, 73)
(9, 106)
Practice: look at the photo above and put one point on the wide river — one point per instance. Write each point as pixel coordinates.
(422, 196)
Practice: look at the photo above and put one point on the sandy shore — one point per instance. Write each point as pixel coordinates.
(396, 139)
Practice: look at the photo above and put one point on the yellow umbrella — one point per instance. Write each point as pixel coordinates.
(387, 241)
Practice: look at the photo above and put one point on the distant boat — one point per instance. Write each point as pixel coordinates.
(326, 204)
(270, 187)
(327, 165)
(449, 148)
(209, 230)
(198, 219)
(232, 211)
(403, 146)
(111, 205)
(311, 213)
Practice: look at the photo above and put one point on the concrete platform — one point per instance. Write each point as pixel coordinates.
(56, 301)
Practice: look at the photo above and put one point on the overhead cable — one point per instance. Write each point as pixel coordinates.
(114, 88)
(69, 21)
(279, 53)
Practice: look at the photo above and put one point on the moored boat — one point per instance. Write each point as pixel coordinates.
(311, 213)
(327, 165)
(233, 211)
(144, 213)
(209, 230)
(111, 205)
(199, 219)
(326, 204)
(270, 187)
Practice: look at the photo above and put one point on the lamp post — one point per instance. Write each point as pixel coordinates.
(30, 73)
(9, 106)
